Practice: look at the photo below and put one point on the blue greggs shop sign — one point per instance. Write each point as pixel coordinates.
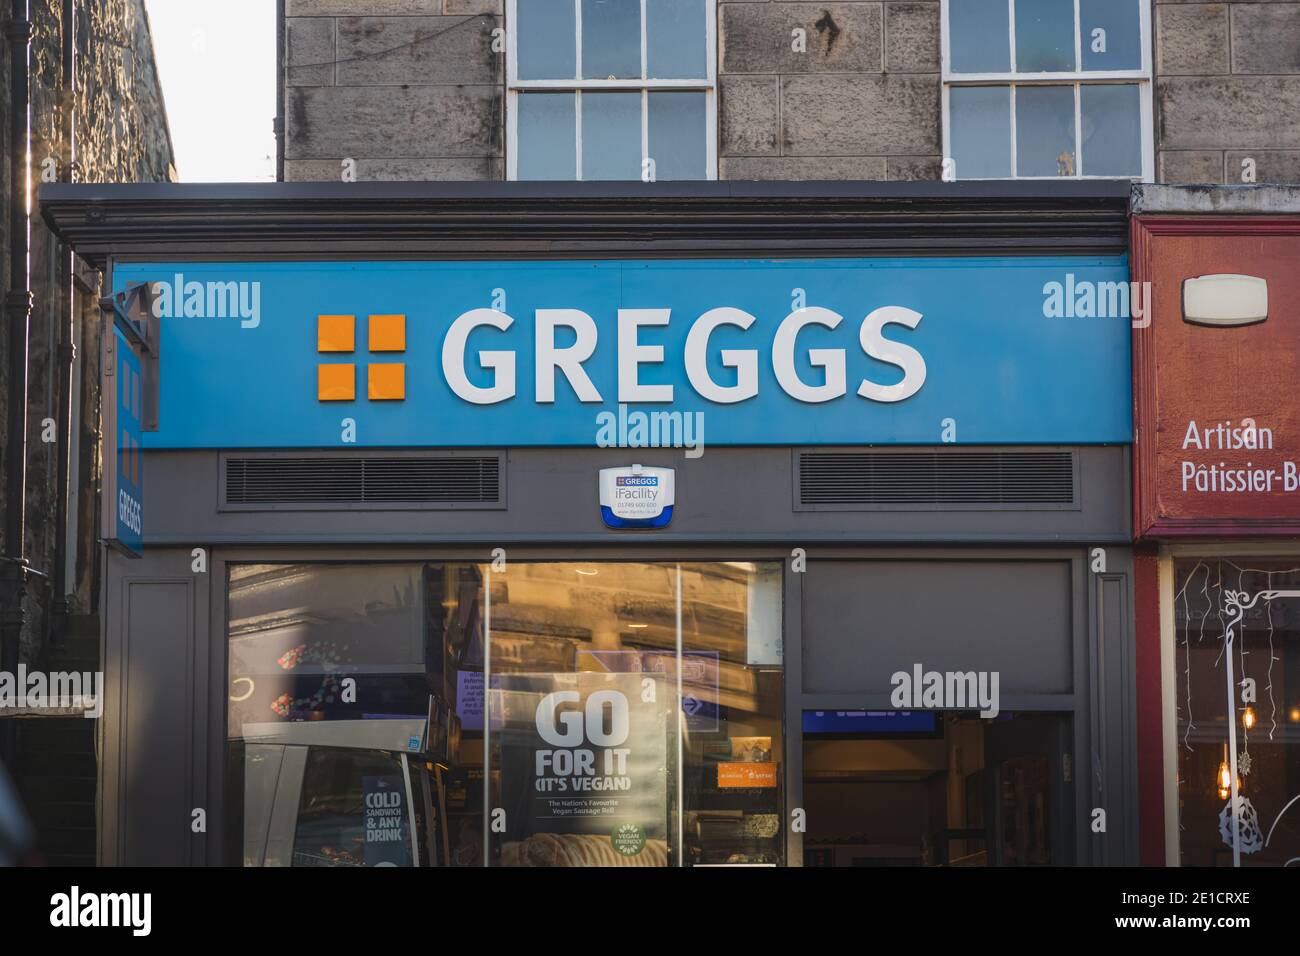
(573, 353)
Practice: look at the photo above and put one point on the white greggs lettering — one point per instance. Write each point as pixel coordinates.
(632, 354)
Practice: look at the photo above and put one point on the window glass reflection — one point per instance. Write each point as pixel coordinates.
(1045, 131)
(978, 38)
(1265, 657)
(632, 713)
(980, 131)
(1044, 36)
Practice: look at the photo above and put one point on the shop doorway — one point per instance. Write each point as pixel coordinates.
(937, 789)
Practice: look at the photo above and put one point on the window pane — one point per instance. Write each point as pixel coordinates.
(979, 40)
(676, 39)
(1044, 35)
(1265, 650)
(980, 131)
(583, 660)
(1045, 131)
(1112, 130)
(611, 136)
(587, 652)
(611, 39)
(547, 140)
(732, 690)
(353, 811)
(1118, 45)
(678, 135)
(547, 45)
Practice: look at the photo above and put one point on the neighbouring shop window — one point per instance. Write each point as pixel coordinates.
(611, 89)
(632, 713)
(1237, 658)
(1047, 89)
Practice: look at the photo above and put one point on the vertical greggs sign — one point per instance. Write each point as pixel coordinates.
(1217, 407)
(556, 353)
(129, 390)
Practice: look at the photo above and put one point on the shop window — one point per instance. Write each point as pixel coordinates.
(636, 714)
(1237, 667)
(631, 713)
(611, 90)
(1037, 89)
(354, 811)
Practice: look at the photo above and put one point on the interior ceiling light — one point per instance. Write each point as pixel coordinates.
(587, 571)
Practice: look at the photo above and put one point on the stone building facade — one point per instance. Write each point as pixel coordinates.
(419, 89)
(121, 135)
(1228, 91)
(115, 110)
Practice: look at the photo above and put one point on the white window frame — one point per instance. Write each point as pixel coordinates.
(643, 85)
(1076, 78)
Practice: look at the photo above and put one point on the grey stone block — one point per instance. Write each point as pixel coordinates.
(389, 51)
(894, 114)
(471, 6)
(747, 117)
(802, 167)
(448, 121)
(351, 8)
(310, 51)
(914, 167)
(1191, 166)
(1192, 39)
(1266, 39)
(912, 37)
(395, 170)
(1271, 165)
(838, 37)
(1228, 112)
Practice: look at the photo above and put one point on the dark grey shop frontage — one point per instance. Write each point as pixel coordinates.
(642, 525)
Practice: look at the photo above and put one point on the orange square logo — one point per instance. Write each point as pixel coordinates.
(335, 333)
(336, 383)
(387, 382)
(388, 333)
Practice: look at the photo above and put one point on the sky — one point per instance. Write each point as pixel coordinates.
(216, 61)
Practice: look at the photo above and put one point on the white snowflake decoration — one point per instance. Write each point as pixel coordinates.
(1243, 764)
(1252, 838)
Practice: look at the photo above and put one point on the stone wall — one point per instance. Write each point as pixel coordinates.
(1227, 91)
(848, 89)
(829, 90)
(122, 136)
(413, 90)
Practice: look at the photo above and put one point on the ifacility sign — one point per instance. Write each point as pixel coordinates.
(549, 353)
(637, 497)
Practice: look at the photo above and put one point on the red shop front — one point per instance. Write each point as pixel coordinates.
(1216, 384)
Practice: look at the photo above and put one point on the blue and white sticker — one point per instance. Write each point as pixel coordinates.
(636, 497)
